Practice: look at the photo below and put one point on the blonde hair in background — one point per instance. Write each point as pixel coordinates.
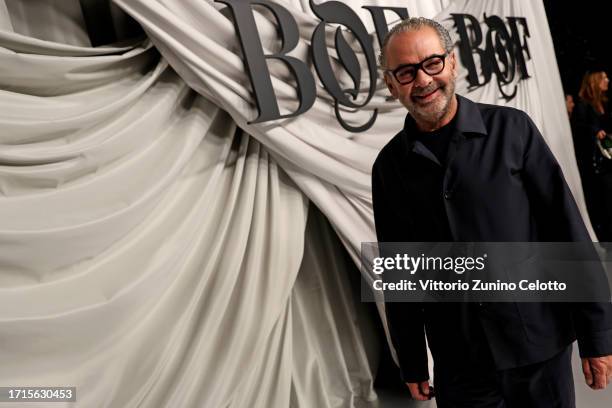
(591, 92)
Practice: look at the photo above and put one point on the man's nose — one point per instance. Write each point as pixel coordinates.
(422, 79)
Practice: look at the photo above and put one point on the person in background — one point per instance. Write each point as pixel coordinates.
(591, 122)
(569, 104)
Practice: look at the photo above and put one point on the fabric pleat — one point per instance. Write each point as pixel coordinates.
(150, 249)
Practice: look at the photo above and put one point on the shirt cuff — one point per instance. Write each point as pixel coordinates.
(596, 344)
(414, 374)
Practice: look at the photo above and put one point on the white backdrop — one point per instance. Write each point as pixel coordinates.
(155, 249)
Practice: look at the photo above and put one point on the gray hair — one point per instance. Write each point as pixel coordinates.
(414, 24)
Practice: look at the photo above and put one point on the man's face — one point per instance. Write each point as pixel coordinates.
(428, 97)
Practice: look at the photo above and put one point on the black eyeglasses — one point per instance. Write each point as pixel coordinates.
(405, 74)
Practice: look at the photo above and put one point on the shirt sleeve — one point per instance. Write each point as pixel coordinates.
(404, 320)
(558, 220)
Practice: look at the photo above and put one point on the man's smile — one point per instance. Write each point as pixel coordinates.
(426, 97)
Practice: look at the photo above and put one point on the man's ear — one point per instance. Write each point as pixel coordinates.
(453, 63)
(390, 85)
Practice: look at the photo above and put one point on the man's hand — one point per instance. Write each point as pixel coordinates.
(597, 371)
(420, 391)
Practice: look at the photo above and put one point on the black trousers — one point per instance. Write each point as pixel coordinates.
(548, 384)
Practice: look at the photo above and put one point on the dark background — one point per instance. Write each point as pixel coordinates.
(582, 34)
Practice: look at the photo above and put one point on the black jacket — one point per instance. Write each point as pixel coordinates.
(501, 184)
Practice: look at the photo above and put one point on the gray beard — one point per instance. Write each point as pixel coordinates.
(435, 116)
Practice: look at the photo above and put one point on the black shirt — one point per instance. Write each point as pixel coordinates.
(437, 141)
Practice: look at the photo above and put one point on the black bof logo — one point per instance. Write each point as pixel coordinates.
(330, 13)
(501, 51)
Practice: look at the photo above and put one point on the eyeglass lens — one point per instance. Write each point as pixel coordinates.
(432, 66)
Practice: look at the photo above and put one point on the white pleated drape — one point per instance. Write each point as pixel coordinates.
(150, 249)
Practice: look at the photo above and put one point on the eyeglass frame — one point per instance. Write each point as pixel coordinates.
(418, 66)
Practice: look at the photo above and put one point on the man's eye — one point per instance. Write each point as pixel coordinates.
(406, 72)
(433, 64)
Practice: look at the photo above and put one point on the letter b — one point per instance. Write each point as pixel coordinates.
(255, 59)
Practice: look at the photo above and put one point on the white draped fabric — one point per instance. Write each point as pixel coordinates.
(329, 164)
(157, 250)
(150, 248)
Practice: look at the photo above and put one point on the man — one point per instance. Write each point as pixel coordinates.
(466, 172)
